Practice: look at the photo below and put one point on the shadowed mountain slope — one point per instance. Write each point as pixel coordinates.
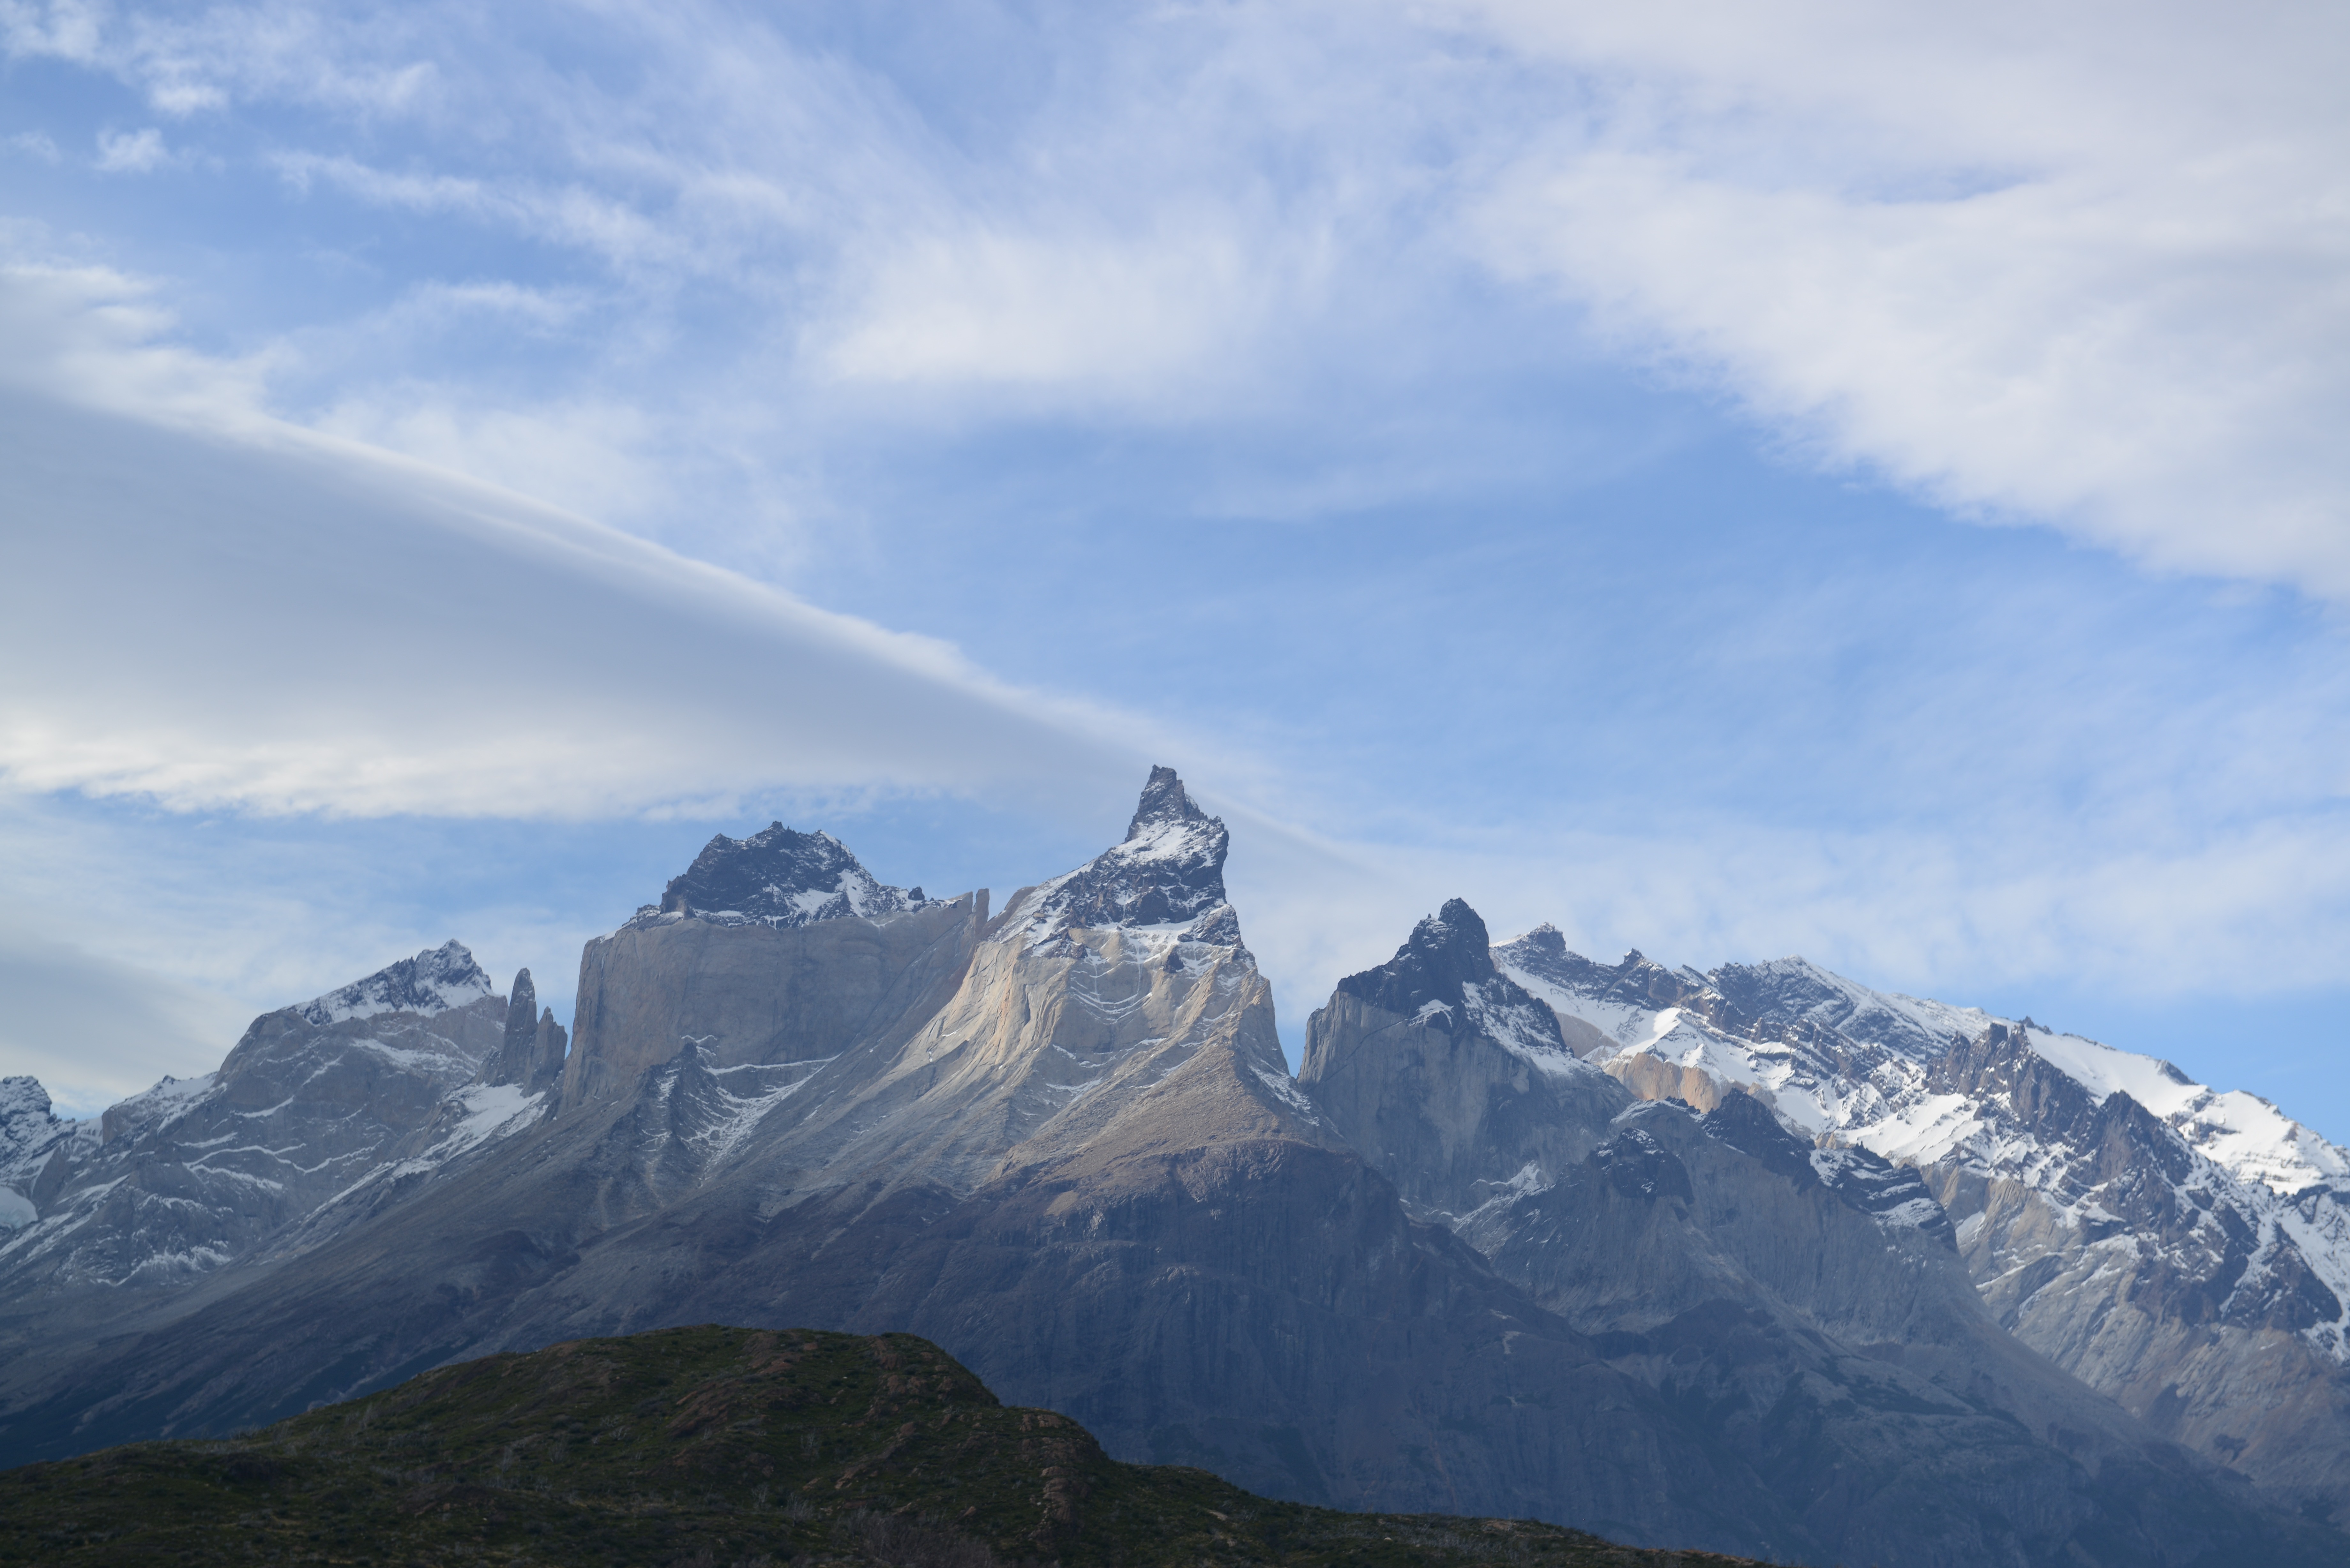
(707, 1445)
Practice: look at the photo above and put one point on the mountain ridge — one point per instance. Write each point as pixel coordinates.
(1463, 1261)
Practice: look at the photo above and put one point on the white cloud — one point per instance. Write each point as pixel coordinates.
(132, 153)
(235, 612)
(202, 59)
(2078, 265)
(1022, 310)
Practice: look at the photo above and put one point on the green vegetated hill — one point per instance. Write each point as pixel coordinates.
(706, 1447)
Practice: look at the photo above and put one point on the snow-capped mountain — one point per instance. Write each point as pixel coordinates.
(2185, 1251)
(1811, 1301)
(370, 1081)
(434, 981)
(1168, 871)
(779, 877)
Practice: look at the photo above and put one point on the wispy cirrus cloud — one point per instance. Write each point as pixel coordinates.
(2076, 267)
(2071, 268)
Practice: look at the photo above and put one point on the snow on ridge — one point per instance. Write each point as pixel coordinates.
(2247, 1136)
(1516, 1027)
(434, 981)
(1852, 1065)
(778, 877)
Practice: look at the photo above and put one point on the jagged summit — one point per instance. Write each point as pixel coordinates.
(1167, 870)
(1164, 801)
(1446, 953)
(531, 1051)
(778, 876)
(1443, 976)
(434, 981)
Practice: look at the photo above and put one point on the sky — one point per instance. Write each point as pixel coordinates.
(1731, 480)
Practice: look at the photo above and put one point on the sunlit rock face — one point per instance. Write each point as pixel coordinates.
(2185, 1252)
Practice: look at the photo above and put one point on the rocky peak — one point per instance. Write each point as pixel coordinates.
(434, 981)
(24, 1114)
(1999, 1066)
(1444, 978)
(778, 876)
(1164, 803)
(29, 1125)
(522, 1007)
(1545, 941)
(531, 1051)
(1446, 952)
(1169, 870)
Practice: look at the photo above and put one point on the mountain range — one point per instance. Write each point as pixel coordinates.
(1757, 1261)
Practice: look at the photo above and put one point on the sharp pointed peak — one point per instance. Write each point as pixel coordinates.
(1167, 870)
(1164, 800)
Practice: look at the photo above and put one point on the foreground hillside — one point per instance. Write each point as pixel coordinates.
(711, 1447)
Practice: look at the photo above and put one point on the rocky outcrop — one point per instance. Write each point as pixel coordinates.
(531, 1052)
(778, 877)
(30, 1131)
(758, 995)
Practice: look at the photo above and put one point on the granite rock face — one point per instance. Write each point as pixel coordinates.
(531, 1052)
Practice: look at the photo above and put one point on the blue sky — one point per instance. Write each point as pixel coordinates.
(1729, 480)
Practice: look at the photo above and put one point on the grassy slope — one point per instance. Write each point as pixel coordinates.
(705, 1445)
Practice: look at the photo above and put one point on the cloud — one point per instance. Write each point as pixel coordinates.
(1019, 309)
(692, 266)
(132, 153)
(203, 59)
(221, 610)
(95, 1030)
(2078, 266)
